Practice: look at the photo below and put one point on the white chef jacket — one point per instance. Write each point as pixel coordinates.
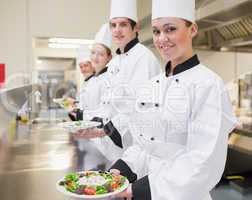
(180, 135)
(126, 70)
(81, 96)
(91, 94)
(90, 99)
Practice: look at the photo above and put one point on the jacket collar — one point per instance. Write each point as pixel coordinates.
(89, 77)
(102, 71)
(188, 64)
(128, 46)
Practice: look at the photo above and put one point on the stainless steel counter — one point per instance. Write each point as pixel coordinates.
(11, 101)
(38, 156)
(33, 163)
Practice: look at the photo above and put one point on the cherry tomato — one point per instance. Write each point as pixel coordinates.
(114, 185)
(89, 191)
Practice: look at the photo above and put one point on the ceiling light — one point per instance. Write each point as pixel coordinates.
(39, 61)
(70, 41)
(224, 49)
(63, 46)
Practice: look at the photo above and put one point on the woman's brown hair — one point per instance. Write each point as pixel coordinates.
(109, 53)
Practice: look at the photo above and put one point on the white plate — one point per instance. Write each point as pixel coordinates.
(63, 190)
(74, 126)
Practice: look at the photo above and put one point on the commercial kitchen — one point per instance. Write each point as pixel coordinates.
(42, 45)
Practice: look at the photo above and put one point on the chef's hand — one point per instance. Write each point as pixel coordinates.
(71, 100)
(127, 193)
(115, 172)
(72, 113)
(89, 133)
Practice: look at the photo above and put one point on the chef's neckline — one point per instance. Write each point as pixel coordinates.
(102, 71)
(188, 64)
(89, 77)
(128, 46)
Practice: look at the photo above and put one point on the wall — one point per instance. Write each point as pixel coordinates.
(14, 38)
(144, 8)
(22, 20)
(244, 61)
(228, 65)
(223, 63)
(55, 65)
(64, 18)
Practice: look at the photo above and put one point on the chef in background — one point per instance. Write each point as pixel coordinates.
(86, 69)
(90, 99)
(84, 63)
(181, 130)
(87, 72)
(132, 65)
(100, 55)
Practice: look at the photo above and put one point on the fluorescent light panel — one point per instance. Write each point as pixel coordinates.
(39, 61)
(70, 41)
(63, 46)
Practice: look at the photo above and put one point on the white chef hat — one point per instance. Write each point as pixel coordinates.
(83, 54)
(124, 8)
(104, 36)
(184, 9)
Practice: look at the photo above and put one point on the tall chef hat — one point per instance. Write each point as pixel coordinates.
(104, 36)
(83, 54)
(124, 8)
(184, 9)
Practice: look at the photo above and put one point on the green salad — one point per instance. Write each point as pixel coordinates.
(92, 183)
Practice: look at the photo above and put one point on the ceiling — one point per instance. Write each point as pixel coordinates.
(228, 29)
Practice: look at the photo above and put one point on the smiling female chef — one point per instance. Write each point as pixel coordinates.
(180, 132)
(87, 72)
(100, 55)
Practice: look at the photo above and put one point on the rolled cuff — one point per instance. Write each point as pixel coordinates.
(98, 119)
(125, 170)
(113, 133)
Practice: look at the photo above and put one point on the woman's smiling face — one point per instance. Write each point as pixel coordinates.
(173, 38)
(99, 56)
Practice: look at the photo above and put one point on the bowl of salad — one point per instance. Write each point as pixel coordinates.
(92, 185)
